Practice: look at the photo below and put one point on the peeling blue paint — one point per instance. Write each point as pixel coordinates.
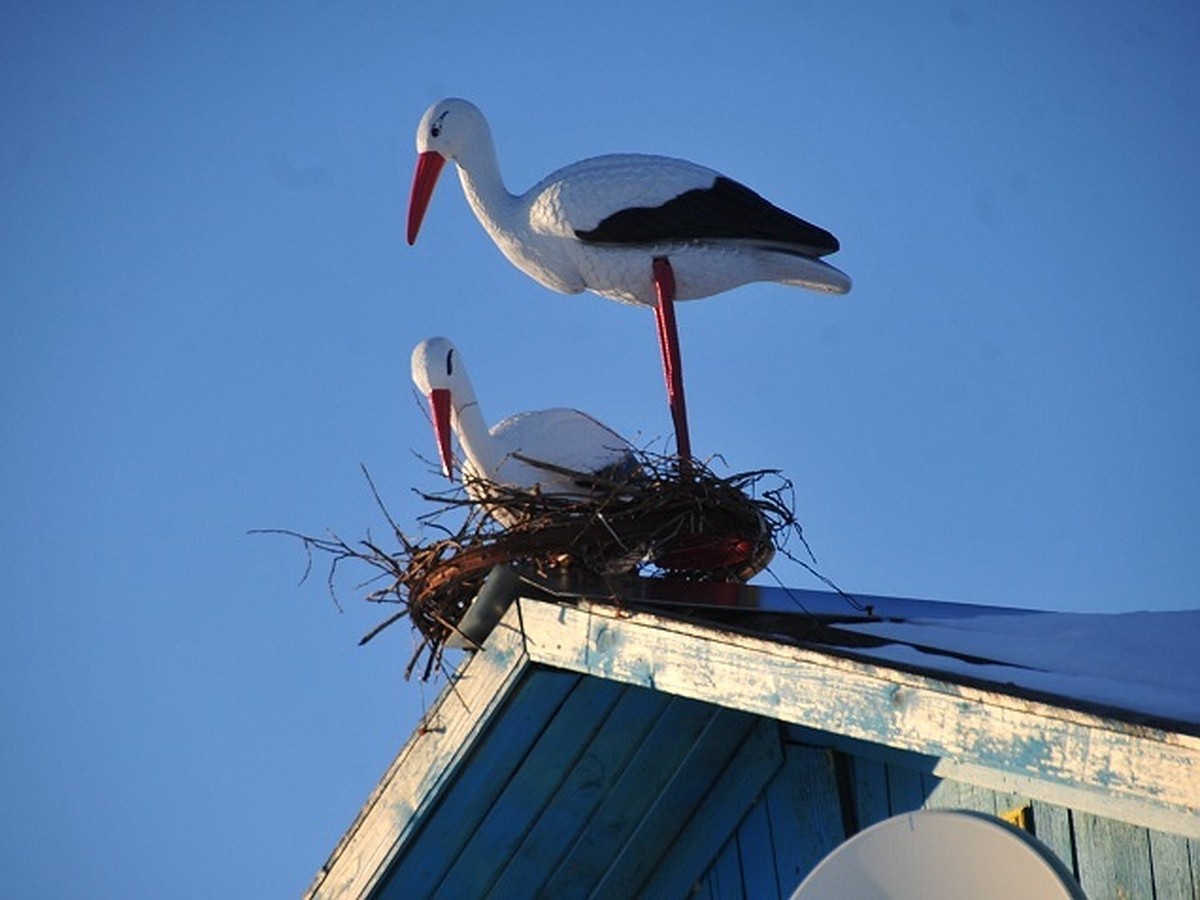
(501, 655)
(603, 650)
(642, 673)
(1020, 753)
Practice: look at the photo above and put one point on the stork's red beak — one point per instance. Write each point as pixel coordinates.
(439, 405)
(429, 166)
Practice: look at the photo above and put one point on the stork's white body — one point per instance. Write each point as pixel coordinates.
(507, 453)
(539, 230)
(639, 229)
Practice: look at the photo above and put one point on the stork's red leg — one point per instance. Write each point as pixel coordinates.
(668, 342)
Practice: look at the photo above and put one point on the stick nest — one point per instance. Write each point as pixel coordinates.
(672, 518)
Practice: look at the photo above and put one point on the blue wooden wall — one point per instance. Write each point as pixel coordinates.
(587, 787)
(820, 796)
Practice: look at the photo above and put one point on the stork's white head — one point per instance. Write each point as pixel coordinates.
(450, 126)
(439, 375)
(449, 129)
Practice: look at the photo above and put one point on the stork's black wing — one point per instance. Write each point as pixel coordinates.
(726, 211)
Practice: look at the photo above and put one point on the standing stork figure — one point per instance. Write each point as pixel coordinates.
(640, 229)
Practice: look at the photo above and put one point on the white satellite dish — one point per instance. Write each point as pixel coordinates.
(938, 855)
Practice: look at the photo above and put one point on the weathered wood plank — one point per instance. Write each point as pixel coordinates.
(723, 881)
(951, 794)
(1052, 826)
(1172, 869)
(561, 741)
(755, 853)
(1126, 767)
(1194, 856)
(641, 851)
(412, 784)
(1113, 858)
(906, 792)
(870, 791)
(805, 809)
(499, 752)
(722, 807)
(680, 726)
(591, 776)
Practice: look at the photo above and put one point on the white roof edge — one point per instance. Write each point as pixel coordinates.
(1132, 772)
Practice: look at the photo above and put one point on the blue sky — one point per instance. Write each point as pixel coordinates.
(208, 308)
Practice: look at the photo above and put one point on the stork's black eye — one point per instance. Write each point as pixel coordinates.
(436, 128)
(450, 363)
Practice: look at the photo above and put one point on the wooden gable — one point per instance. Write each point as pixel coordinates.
(588, 751)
